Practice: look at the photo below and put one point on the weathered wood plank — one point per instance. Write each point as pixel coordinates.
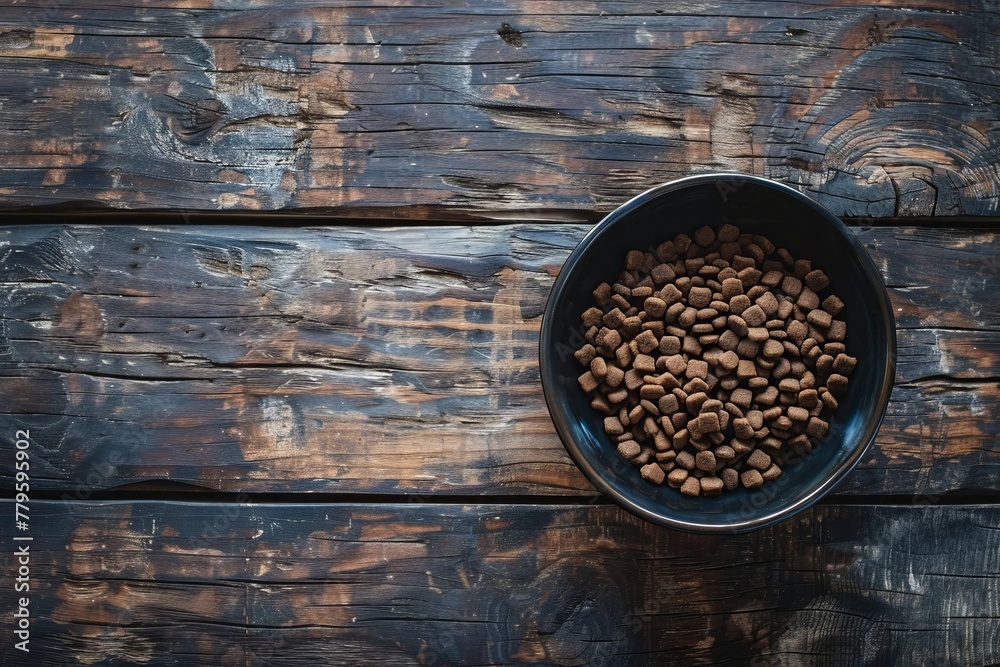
(146, 582)
(458, 111)
(396, 360)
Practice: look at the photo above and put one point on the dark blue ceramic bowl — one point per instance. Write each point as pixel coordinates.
(790, 220)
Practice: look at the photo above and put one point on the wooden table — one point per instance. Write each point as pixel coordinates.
(272, 279)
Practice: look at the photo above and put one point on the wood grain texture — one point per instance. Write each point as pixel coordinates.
(518, 110)
(396, 360)
(152, 583)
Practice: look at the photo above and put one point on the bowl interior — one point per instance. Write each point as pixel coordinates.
(791, 221)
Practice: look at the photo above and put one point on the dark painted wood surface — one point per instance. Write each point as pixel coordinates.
(376, 389)
(525, 108)
(200, 583)
(398, 361)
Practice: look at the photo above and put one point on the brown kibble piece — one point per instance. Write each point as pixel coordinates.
(647, 341)
(728, 340)
(771, 278)
(677, 477)
(671, 295)
(685, 459)
(614, 376)
(807, 300)
(585, 354)
(739, 303)
(837, 383)
(711, 485)
(728, 360)
(751, 479)
(705, 461)
(696, 368)
(731, 287)
(670, 345)
(651, 392)
(634, 259)
(609, 340)
(708, 422)
(768, 303)
(801, 268)
(730, 478)
(655, 306)
(662, 274)
(789, 384)
(742, 428)
(711, 405)
(613, 426)
(644, 363)
(690, 346)
(742, 398)
(652, 472)
(623, 355)
(667, 404)
(663, 443)
(844, 364)
(599, 368)
(603, 294)
(676, 364)
(771, 473)
(588, 382)
(817, 428)
(699, 297)
(754, 316)
(728, 233)
(691, 486)
(791, 286)
(819, 318)
(725, 453)
(759, 460)
(592, 317)
(808, 398)
(636, 414)
(824, 364)
(773, 349)
(618, 395)
(629, 449)
(738, 325)
(798, 414)
(837, 331)
(601, 404)
(748, 275)
(746, 369)
(613, 318)
(816, 280)
(833, 305)
(694, 402)
(704, 236)
(634, 379)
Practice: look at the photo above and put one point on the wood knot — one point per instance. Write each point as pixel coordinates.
(16, 39)
(510, 35)
(576, 616)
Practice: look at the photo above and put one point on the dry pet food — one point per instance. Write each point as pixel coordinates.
(713, 358)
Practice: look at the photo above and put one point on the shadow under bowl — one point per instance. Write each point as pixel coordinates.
(790, 220)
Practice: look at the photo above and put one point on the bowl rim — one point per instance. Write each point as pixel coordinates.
(550, 385)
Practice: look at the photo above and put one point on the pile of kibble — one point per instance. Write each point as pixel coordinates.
(715, 358)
